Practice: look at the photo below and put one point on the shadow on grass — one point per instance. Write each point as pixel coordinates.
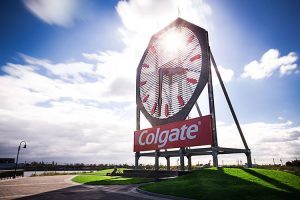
(272, 181)
(215, 184)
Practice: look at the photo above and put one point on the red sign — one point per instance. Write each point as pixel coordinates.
(193, 132)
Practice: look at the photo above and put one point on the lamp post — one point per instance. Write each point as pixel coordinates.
(15, 174)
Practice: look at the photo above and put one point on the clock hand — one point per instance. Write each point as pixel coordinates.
(187, 69)
(169, 63)
(168, 99)
(161, 73)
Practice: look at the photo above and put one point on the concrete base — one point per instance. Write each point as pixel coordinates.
(153, 173)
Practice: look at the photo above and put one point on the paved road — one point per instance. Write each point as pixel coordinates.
(61, 187)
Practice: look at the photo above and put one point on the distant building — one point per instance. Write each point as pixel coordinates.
(7, 163)
(7, 160)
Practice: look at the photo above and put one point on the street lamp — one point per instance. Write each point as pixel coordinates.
(15, 174)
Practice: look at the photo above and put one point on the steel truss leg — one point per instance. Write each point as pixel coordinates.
(213, 114)
(249, 160)
(189, 157)
(137, 156)
(198, 109)
(182, 159)
(138, 121)
(156, 167)
(248, 154)
(215, 157)
(168, 163)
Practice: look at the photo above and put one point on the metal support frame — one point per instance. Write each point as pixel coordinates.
(157, 154)
(137, 156)
(248, 154)
(195, 152)
(168, 163)
(214, 150)
(229, 102)
(198, 109)
(138, 127)
(181, 155)
(189, 157)
(213, 115)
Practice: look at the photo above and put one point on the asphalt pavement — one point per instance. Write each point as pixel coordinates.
(61, 187)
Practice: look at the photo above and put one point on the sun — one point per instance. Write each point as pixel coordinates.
(172, 42)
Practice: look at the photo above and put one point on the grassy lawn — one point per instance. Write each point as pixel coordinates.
(100, 178)
(231, 183)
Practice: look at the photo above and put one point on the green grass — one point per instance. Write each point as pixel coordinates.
(102, 172)
(100, 178)
(231, 183)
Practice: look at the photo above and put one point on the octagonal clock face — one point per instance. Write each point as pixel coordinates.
(172, 72)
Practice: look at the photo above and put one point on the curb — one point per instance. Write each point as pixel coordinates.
(161, 195)
(12, 179)
(69, 180)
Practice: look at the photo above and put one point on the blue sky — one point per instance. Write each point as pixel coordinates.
(67, 74)
(24, 32)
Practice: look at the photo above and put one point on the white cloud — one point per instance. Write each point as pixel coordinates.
(227, 75)
(266, 140)
(94, 56)
(56, 12)
(287, 69)
(65, 115)
(71, 72)
(280, 118)
(270, 62)
(144, 16)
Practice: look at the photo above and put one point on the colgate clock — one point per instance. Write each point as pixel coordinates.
(172, 72)
(171, 75)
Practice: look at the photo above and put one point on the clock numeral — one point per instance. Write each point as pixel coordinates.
(190, 39)
(152, 49)
(145, 65)
(180, 100)
(195, 57)
(153, 108)
(166, 110)
(145, 98)
(142, 83)
(192, 80)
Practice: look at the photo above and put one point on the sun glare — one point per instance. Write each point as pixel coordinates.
(172, 42)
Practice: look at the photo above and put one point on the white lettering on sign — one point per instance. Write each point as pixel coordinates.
(150, 141)
(173, 135)
(192, 129)
(140, 138)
